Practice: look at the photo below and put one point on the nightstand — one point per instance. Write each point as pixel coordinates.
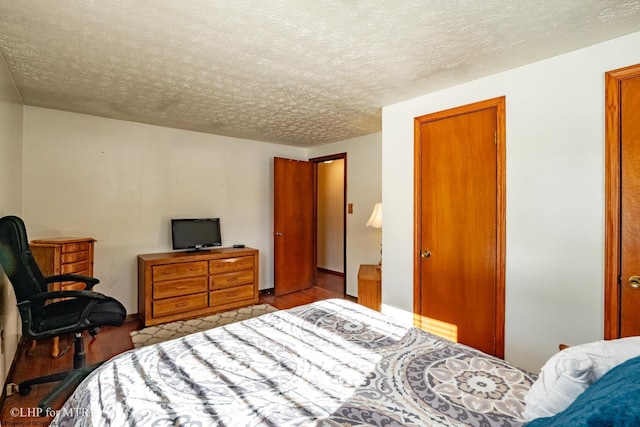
(369, 286)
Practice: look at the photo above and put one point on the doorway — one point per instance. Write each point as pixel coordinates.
(459, 224)
(622, 202)
(330, 191)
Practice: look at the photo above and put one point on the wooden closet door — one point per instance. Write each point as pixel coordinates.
(630, 208)
(460, 289)
(622, 222)
(622, 225)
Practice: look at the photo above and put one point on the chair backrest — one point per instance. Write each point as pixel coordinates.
(17, 260)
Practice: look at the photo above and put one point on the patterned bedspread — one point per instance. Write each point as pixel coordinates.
(332, 363)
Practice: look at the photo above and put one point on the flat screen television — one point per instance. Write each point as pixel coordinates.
(195, 233)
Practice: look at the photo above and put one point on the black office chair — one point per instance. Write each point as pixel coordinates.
(47, 314)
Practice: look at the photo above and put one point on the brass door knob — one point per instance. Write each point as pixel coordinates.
(425, 254)
(634, 282)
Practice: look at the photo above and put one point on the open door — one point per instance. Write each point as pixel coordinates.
(294, 226)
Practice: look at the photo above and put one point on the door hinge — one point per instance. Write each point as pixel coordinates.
(495, 137)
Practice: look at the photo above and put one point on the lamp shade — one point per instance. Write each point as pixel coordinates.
(375, 220)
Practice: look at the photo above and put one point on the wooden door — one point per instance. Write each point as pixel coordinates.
(622, 241)
(459, 278)
(293, 236)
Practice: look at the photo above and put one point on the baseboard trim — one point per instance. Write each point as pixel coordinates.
(21, 348)
(131, 317)
(326, 270)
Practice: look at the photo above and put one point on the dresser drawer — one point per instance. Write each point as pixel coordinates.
(227, 280)
(169, 306)
(174, 288)
(179, 270)
(230, 264)
(71, 257)
(224, 296)
(81, 267)
(75, 247)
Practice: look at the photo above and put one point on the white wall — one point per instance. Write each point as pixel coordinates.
(555, 195)
(10, 204)
(121, 182)
(364, 185)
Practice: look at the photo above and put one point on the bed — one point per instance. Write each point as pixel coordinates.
(332, 363)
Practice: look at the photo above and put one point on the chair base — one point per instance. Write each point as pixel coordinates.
(69, 380)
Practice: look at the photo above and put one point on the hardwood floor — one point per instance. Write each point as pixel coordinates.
(23, 410)
(328, 285)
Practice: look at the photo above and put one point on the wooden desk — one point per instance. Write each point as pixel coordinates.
(369, 286)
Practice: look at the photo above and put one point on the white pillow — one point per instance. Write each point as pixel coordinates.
(569, 372)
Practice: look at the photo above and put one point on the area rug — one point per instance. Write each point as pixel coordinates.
(180, 328)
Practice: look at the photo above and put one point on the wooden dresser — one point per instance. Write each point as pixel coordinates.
(63, 255)
(181, 285)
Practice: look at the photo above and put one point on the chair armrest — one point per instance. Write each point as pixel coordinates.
(89, 281)
(63, 294)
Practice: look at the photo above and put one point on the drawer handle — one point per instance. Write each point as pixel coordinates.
(182, 287)
(181, 304)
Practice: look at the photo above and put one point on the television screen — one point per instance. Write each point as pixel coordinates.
(197, 233)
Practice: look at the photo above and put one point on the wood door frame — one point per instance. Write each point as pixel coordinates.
(315, 161)
(499, 104)
(612, 236)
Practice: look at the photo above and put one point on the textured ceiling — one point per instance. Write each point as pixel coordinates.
(298, 72)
